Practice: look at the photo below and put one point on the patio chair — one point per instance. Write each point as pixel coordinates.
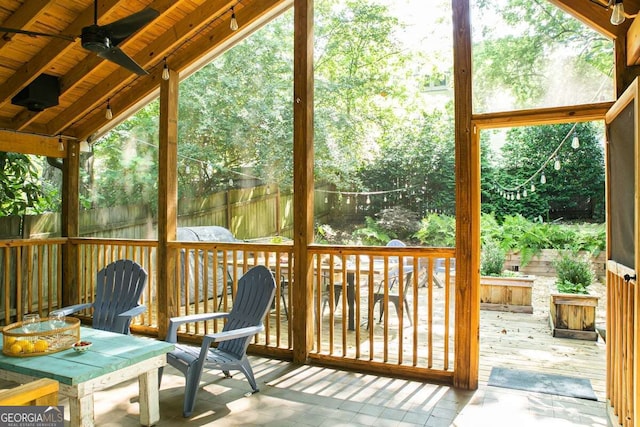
(393, 294)
(256, 289)
(118, 289)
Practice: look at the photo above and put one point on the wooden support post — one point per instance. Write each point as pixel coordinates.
(467, 300)
(303, 179)
(167, 200)
(70, 220)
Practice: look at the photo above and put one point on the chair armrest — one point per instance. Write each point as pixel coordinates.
(230, 335)
(135, 311)
(175, 322)
(72, 309)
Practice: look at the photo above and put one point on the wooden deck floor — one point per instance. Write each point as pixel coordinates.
(524, 341)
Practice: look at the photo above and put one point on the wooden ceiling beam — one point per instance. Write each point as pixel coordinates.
(542, 116)
(150, 55)
(24, 143)
(71, 79)
(594, 15)
(26, 15)
(250, 18)
(52, 51)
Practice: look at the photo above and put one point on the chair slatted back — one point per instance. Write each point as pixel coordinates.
(256, 289)
(118, 289)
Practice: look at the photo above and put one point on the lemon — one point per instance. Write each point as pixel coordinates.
(23, 343)
(15, 348)
(8, 341)
(28, 347)
(40, 346)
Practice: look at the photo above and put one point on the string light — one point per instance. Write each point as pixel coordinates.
(234, 22)
(617, 15)
(575, 142)
(556, 164)
(165, 70)
(60, 143)
(108, 114)
(543, 179)
(533, 187)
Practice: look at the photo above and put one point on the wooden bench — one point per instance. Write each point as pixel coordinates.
(42, 392)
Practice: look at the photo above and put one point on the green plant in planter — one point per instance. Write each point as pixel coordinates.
(574, 274)
(492, 259)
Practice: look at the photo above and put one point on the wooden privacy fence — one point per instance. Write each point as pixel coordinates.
(621, 343)
(234, 209)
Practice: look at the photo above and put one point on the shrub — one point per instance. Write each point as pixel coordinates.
(437, 230)
(491, 259)
(574, 274)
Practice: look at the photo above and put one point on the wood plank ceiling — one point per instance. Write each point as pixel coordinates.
(187, 32)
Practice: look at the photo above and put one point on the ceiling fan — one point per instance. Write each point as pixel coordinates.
(104, 39)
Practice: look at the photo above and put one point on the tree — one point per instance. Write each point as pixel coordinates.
(22, 191)
(577, 188)
(537, 56)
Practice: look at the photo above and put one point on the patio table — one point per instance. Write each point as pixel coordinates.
(364, 267)
(112, 359)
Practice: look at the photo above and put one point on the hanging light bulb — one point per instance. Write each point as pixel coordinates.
(165, 70)
(60, 143)
(524, 193)
(234, 22)
(533, 188)
(348, 200)
(617, 15)
(368, 200)
(518, 196)
(108, 114)
(543, 179)
(556, 164)
(326, 199)
(230, 182)
(575, 142)
(384, 199)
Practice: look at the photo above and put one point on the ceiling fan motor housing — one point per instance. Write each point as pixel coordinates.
(95, 39)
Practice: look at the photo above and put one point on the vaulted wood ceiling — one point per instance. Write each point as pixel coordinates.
(187, 32)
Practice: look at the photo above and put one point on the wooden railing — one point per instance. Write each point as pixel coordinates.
(413, 332)
(621, 304)
(398, 309)
(32, 277)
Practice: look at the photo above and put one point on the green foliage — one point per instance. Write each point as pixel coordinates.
(574, 274)
(574, 191)
(437, 230)
(372, 233)
(491, 259)
(524, 64)
(22, 191)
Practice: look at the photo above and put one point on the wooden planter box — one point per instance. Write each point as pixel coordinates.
(573, 315)
(506, 293)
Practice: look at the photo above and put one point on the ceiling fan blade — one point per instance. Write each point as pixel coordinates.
(123, 28)
(115, 54)
(36, 33)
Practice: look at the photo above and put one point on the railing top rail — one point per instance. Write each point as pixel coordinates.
(32, 242)
(108, 241)
(384, 250)
(243, 246)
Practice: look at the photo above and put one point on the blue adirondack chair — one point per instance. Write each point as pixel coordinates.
(118, 289)
(256, 289)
